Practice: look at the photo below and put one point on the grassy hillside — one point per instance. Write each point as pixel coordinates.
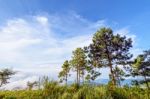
(53, 90)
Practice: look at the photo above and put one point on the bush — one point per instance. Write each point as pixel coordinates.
(52, 90)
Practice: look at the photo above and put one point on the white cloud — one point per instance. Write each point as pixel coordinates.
(38, 45)
(19, 84)
(42, 20)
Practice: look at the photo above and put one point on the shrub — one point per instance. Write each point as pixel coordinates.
(52, 90)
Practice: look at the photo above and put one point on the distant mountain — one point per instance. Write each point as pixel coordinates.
(105, 81)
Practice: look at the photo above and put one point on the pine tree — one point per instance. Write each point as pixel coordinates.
(31, 84)
(109, 50)
(141, 67)
(79, 63)
(5, 75)
(63, 75)
(119, 75)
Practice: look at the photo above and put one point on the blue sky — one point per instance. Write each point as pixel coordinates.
(126, 13)
(38, 35)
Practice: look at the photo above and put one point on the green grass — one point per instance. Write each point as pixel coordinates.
(52, 90)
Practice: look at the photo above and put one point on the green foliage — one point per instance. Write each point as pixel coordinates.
(119, 75)
(31, 84)
(106, 50)
(21, 94)
(63, 75)
(5, 75)
(79, 63)
(109, 50)
(52, 90)
(141, 67)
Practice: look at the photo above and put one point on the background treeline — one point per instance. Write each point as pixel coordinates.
(107, 50)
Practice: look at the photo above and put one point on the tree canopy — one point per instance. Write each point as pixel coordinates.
(109, 50)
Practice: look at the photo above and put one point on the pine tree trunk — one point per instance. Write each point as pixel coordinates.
(146, 82)
(77, 75)
(66, 78)
(110, 65)
(1, 84)
(112, 74)
(83, 78)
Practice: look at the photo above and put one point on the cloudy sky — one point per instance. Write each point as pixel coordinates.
(37, 36)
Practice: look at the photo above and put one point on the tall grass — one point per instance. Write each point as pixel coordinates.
(52, 90)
